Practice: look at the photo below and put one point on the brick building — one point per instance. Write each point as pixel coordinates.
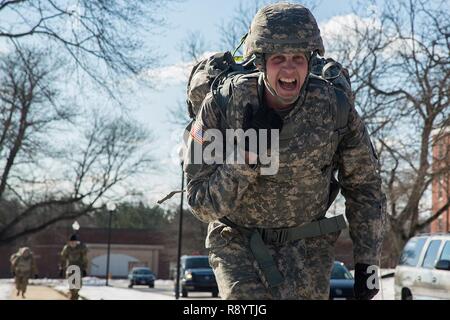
(128, 248)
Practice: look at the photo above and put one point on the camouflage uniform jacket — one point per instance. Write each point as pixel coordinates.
(74, 256)
(23, 266)
(299, 192)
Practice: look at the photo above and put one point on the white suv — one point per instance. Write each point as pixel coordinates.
(424, 268)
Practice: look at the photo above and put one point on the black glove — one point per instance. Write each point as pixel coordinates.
(36, 276)
(84, 273)
(61, 273)
(362, 291)
(264, 118)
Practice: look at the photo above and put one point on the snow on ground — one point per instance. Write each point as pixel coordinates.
(387, 291)
(387, 285)
(5, 290)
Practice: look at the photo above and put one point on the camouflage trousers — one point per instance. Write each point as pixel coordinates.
(305, 265)
(21, 282)
(74, 294)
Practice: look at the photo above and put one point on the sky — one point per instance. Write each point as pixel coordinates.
(202, 17)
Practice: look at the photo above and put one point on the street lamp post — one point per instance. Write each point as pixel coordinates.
(110, 207)
(180, 233)
(180, 228)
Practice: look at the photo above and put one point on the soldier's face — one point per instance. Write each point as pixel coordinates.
(72, 244)
(286, 73)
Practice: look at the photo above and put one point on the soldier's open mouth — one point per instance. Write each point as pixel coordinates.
(288, 84)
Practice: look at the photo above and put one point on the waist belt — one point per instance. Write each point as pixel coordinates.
(259, 237)
(278, 236)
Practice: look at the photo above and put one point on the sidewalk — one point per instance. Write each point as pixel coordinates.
(114, 293)
(38, 293)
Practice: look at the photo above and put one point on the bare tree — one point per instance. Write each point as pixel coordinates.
(234, 28)
(43, 181)
(102, 39)
(56, 162)
(400, 69)
(194, 46)
(178, 115)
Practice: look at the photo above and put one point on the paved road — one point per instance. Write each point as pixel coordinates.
(166, 288)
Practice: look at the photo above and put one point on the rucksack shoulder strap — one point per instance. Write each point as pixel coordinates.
(224, 93)
(342, 111)
(340, 127)
(333, 72)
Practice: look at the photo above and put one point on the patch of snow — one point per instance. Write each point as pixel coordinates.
(6, 287)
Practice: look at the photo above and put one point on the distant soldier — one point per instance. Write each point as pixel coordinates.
(74, 254)
(23, 267)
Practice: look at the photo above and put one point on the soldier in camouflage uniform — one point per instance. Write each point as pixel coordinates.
(23, 267)
(241, 205)
(74, 254)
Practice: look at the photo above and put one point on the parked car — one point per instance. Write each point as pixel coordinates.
(197, 275)
(141, 276)
(424, 268)
(341, 282)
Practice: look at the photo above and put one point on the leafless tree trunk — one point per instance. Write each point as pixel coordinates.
(42, 181)
(101, 39)
(57, 163)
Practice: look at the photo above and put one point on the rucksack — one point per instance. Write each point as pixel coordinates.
(208, 74)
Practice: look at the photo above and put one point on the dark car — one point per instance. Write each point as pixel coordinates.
(197, 275)
(141, 276)
(341, 283)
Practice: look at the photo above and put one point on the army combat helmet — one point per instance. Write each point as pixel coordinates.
(282, 28)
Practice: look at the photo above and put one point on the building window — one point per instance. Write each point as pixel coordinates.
(446, 183)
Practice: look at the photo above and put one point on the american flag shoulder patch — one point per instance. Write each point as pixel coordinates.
(197, 132)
